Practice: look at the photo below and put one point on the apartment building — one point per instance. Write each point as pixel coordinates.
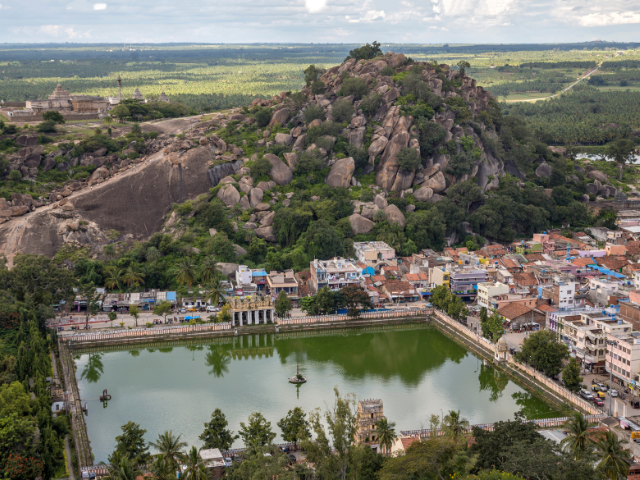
(623, 357)
(283, 281)
(465, 279)
(336, 273)
(373, 253)
(488, 290)
(562, 294)
(440, 276)
(246, 276)
(585, 340)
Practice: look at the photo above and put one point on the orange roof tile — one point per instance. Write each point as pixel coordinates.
(513, 310)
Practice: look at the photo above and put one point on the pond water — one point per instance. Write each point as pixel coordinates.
(596, 158)
(416, 370)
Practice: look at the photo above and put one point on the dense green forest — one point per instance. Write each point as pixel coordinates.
(584, 115)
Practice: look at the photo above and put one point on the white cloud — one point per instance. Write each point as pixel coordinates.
(315, 6)
(613, 18)
(100, 6)
(53, 30)
(370, 16)
(0, 6)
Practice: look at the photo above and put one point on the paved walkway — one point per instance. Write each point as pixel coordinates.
(67, 448)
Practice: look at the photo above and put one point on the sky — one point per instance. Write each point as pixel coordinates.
(319, 21)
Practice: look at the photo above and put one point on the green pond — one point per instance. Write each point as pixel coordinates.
(416, 370)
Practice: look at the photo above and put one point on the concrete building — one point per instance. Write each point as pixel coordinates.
(488, 290)
(336, 273)
(373, 253)
(464, 280)
(439, 276)
(279, 281)
(369, 412)
(562, 294)
(246, 275)
(625, 351)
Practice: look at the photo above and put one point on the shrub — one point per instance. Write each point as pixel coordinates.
(263, 117)
(53, 116)
(309, 162)
(312, 74)
(332, 129)
(366, 52)
(431, 135)
(43, 139)
(460, 164)
(388, 71)
(408, 159)
(313, 112)
(325, 142)
(342, 110)
(413, 84)
(367, 195)
(261, 167)
(9, 129)
(379, 216)
(318, 87)
(370, 104)
(354, 86)
(15, 175)
(47, 127)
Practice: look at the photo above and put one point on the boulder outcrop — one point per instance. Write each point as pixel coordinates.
(341, 173)
(280, 172)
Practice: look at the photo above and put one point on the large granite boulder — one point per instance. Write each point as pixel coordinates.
(292, 159)
(394, 215)
(49, 163)
(369, 210)
(266, 186)
(380, 202)
(98, 176)
(267, 220)
(359, 224)
(229, 195)
(544, 170)
(598, 175)
(377, 146)
(266, 233)
(423, 194)
(256, 196)
(244, 203)
(283, 139)
(281, 117)
(387, 172)
(437, 183)
(356, 136)
(280, 173)
(341, 173)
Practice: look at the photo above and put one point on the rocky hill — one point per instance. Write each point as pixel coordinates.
(405, 131)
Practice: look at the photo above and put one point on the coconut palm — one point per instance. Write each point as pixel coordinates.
(578, 440)
(152, 254)
(114, 278)
(170, 448)
(386, 433)
(132, 277)
(214, 292)
(122, 468)
(185, 271)
(613, 457)
(162, 470)
(195, 469)
(455, 425)
(208, 270)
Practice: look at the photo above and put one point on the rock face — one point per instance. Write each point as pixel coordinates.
(437, 183)
(423, 194)
(394, 215)
(266, 233)
(387, 173)
(341, 173)
(280, 173)
(359, 224)
(229, 195)
(256, 196)
(281, 117)
(598, 175)
(544, 170)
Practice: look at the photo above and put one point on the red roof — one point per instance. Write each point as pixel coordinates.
(378, 278)
(525, 279)
(545, 308)
(406, 441)
(513, 310)
(582, 262)
(416, 277)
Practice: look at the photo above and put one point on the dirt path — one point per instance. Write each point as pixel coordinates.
(587, 75)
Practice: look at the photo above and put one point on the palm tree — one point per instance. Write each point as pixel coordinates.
(161, 470)
(152, 254)
(170, 448)
(109, 250)
(578, 440)
(132, 277)
(114, 278)
(386, 433)
(613, 457)
(185, 272)
(214, 292)
(195, 469)
(455, 425)
(208, 270)
(108, 120)
(122, 468)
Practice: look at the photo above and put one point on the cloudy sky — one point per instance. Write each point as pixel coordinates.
(342, 21)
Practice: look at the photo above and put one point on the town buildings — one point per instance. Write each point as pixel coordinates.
(375, 253)
(369, 412)
(336, 274)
